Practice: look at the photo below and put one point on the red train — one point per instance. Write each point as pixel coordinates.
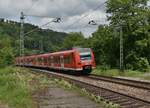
(77, 60)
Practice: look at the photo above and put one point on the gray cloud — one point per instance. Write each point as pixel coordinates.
(69, 10)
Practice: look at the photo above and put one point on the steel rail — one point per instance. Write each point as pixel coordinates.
(124, 100)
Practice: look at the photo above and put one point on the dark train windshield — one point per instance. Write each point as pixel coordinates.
(85, 56)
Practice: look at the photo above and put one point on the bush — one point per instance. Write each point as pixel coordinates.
(6, 56)
(13, 89)
(142, 64)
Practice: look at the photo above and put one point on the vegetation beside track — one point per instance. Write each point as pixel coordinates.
(14, 89)
(116, 73)
(134, 22)
(17, 86)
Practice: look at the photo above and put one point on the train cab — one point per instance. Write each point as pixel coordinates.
(86, 59)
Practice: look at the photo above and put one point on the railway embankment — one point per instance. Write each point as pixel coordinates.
(126, 93)
(21, 88)
(14, 89)
(127, 74)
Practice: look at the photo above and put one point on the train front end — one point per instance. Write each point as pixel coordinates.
(85, 60)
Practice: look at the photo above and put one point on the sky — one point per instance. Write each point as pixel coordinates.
(75, 14)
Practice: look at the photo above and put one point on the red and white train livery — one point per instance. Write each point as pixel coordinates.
(75, 60)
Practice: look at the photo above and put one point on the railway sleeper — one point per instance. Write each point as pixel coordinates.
(115, 98)
(111, 97)
(135, 106)
(119, 101)
(129, 102)
(107, 96)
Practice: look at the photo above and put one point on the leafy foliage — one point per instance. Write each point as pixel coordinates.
(73, 40)
(42, 39)
(45, 39)
(133, 16)
(6, 52)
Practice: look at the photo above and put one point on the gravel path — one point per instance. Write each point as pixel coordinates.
(3, 106)
(55, 97)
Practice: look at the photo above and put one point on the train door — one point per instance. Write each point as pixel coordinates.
(62, 61)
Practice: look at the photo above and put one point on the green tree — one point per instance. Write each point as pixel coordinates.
(73, 40)
(105, 46)
(132, 16)
(6, 52)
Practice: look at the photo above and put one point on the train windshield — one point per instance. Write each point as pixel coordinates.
(85, 53)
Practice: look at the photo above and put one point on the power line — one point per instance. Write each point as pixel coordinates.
(56, 20)
(85, 16)
(37, 28)
(33, 4)
(60, 19)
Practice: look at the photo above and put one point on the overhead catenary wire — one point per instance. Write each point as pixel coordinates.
(32, 5)
(38, 28)
(78, 20)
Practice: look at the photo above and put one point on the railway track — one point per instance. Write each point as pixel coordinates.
(91, 84)
(128, 82)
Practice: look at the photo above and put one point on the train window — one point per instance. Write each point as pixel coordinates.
(49, 60)
(45, 60)
(85, 53)
(85, 56)
(68, 59)
(57, 60)
(40, 60)
(52, 59)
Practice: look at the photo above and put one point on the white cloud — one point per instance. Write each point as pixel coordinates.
(69, 10)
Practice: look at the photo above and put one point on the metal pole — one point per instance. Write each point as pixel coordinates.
(22, 35)
(121, 50)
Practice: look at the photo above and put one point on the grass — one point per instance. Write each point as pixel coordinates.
(117, 72)
(66, 85)
(13, 89)
(17, 85)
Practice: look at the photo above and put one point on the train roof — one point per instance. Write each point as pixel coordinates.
(48, 54)
(55, 53)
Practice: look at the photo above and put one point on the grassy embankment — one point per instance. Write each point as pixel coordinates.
(16, 87)
(116, 72)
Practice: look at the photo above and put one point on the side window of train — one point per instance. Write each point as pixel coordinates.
(68, 59)
(52, 59)
(57, 60)
(65, 60)
(45, 60)
(49, 60)
(40, 60)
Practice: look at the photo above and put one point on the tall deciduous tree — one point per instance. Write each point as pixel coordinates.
(73, 40)
(132, 16)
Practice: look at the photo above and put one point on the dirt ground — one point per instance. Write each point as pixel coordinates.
(55, 97)
(3, 106)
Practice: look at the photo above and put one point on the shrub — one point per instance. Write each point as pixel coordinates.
(142, 64)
